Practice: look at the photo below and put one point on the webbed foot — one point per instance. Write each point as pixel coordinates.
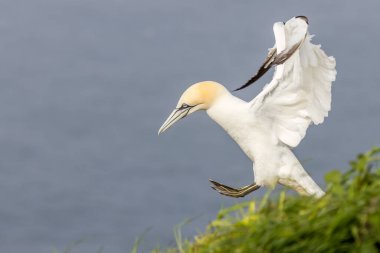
(233, 192)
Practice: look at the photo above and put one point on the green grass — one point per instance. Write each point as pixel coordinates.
(346, 219)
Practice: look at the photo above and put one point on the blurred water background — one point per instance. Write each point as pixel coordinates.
(85, 85)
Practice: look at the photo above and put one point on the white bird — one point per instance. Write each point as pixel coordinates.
(276, 120)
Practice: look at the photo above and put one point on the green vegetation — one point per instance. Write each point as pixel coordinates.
(346, 219)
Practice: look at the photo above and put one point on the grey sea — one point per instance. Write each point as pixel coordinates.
(85, 85)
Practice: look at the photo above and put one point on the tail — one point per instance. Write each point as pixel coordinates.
(294, 176)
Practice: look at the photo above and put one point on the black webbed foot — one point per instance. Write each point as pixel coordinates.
(233, 192)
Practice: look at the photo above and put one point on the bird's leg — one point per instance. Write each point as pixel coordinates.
(233, 192)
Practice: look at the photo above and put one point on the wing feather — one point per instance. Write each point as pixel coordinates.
(301, 96)
(262, 70)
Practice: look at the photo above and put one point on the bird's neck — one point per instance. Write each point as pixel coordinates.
(235, 117)
(227, 110)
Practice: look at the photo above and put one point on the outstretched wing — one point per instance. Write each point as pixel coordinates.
(300, 92)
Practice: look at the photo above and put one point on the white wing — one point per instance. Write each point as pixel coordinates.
(300, 92)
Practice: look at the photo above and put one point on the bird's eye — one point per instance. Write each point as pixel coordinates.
(184, 106)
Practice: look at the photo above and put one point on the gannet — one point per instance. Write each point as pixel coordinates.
(276, 120)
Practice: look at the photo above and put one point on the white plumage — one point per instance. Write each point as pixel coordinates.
(301, 95)
(277, 119)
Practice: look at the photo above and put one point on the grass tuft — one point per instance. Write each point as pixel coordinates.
(346, 219)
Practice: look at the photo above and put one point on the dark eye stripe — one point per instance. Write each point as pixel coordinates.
(184, 106)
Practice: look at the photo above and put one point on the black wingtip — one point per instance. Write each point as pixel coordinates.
(242, 87)
(263, 69)
(304, 18)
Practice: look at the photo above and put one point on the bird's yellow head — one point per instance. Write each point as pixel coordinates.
(199, 96)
